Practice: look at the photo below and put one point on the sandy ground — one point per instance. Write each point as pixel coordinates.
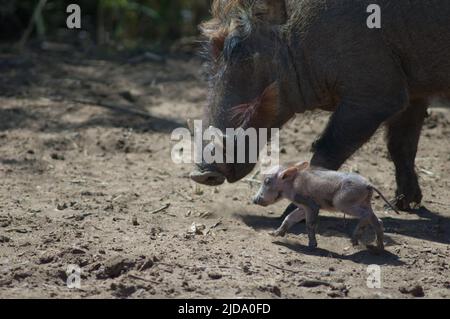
(85, 168)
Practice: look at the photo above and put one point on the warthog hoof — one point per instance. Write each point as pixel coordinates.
(376, 249)
(408, 198)
(312, 245)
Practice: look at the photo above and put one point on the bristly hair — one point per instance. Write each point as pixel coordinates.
(259, 113)
(227, 17)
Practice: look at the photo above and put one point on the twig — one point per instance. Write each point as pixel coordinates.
(429, 173)
(198, 267)
(18, 230)
(216, 224)
(116, 198)
(160, 209)
(189, 198)
(110, 106)
(311, 283)
(37, 11)
(284, 269)
(255, 174)
(82, 216)
(251, 181)
(143, 279)
(219, 222)
(159, 171)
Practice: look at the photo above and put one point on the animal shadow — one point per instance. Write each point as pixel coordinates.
(432, 226)
(366, 256)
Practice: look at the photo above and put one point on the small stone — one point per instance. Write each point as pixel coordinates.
(146, 265)
(197, 229)
(57, 157)
(116, 266)
(46, 258)
(61, 206)
(415, 291)
(77, 251)
(122, 291)
(275, 290)
(22, 275)
(335, 294)
(4, 239)
(214, 275)
(313, 283)
(129, 96)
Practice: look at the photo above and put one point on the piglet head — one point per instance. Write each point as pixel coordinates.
(277, 184)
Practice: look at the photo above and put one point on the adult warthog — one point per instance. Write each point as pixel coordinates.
(271, 59)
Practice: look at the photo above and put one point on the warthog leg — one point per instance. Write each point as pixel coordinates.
(402, 140)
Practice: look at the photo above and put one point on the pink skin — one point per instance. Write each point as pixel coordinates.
(293, 218)
(334, 191)
(277, 185)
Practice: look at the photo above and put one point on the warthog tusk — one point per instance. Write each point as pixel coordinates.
(190, 125)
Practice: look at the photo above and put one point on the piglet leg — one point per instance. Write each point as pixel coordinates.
(367, 217)
(377, 224)
(359, 230)
(293, 218)
(311, 225)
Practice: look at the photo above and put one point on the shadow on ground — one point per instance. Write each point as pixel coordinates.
(366, 256)
(432, 226)
(16, 118)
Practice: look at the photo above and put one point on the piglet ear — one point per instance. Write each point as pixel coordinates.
(289, 173)
(302, 166)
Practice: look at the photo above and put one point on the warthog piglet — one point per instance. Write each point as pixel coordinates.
(313, 188)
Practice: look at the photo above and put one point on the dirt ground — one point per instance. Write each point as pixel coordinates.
(87, 179)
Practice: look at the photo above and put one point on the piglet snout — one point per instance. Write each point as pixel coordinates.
(256, 200)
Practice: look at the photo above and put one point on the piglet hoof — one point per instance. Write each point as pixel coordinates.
(278, 233)
(355, 242)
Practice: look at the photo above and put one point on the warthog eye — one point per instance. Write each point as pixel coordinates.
(267, 181)
(231, 44)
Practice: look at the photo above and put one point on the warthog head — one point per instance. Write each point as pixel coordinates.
(250, 76)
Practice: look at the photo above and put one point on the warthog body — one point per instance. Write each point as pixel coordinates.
(320, 54)
(312, 189)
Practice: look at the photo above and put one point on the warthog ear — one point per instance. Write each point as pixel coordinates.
(302, 166)
(271, 11)
(262, 112)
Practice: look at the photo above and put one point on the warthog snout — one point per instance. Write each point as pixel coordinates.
(208, 178)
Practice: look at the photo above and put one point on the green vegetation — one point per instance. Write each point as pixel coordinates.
(126, 23)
